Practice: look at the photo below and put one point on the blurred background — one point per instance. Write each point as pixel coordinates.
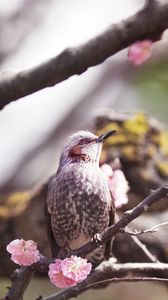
(33, 129)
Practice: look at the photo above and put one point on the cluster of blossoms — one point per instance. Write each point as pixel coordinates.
(117, 184)
(140, 51)
(62, 273)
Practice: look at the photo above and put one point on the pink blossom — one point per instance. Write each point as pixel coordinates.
(119, 188)
(57, 277)
(23, 252)
(69, 272)
(140, 51)
(76, 268)
(107, 169)
(117, 184)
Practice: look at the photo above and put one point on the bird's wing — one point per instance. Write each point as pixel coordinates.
(53, 245)
(108, 247)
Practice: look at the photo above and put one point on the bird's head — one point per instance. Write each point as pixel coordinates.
(83, 146)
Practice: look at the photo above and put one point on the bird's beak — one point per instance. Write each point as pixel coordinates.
(105, 136)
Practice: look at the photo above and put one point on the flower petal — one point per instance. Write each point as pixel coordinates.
(140, 51)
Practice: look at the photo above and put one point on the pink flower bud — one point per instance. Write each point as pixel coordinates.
(23, 252)
(140, 51)
(69, 272)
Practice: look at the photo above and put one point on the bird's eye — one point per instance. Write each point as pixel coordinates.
(83, 141)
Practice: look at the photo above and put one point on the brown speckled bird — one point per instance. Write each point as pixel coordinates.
(79, 203)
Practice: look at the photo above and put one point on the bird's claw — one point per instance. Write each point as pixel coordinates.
(97, 238)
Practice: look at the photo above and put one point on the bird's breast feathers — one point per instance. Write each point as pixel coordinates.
(79, 202)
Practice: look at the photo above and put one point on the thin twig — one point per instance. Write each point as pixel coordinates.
(152, 229)
(146, 24)
(144, 249)
(150, 4)
(129, 279)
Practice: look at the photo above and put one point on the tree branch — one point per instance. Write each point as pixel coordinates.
(126, 218)
(22, 277)
(20, 281)
(146, 24)
(29, 14)
(111, 272)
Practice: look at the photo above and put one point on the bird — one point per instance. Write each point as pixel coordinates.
(79, 204)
